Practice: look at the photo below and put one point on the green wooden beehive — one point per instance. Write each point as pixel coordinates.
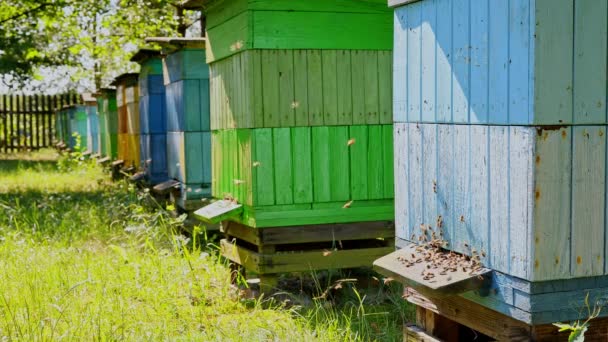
(108, 122)
(301, 110)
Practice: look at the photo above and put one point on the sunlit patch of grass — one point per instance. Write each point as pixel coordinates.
(81, 258)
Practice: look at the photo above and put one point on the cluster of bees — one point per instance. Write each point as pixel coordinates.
(431, 249)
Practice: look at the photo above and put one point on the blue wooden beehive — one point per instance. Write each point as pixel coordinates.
(152, 115)
(500, 137)
(90, 107)
(186, 78)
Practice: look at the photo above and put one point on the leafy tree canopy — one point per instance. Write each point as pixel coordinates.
(87, 41)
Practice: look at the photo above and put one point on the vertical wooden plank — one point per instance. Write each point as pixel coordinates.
(265, 169)
(588, 197)
(499, 63)
(519, 45)
(554, 52)
(330, 87)
(375, 173)
(445, 180)
(320, 164)
(428, 164)
(370, 72)
(9, 136)
(237, 84)
(590, 57)
(302, 165)
(270, 83)
(427, 69)
(4, 124)
(415, 214)
(478, 220)
(300, 66)
(358, 162)
(499, 205)
(552, 193)
(413, 61)
(315, 87)
(479, 61)
(387, 161)
(344, 88)
(402, 226)
(339, 163)
(461, 50)
(521, 199)
(283, 166)
(462, 185)
(245, 162)
(358, 87)
(444, 57)
(385, 84)
(286, 89)
(400, 64)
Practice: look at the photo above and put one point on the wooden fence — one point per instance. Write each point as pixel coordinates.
(27, 122)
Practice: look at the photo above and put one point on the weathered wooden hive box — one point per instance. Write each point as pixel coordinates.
(108, 122)
(78, 124)
(500, 138)
(186, 78)
(152, 115)
(301, 110)
(127, 98)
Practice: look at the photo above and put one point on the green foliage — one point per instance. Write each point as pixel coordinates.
(95, 38)
(578, 328)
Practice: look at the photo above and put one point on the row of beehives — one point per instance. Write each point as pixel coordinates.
(472, 85)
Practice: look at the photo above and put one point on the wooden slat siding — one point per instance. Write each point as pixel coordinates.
(479, 192)
(444, 57)
(590, 56)
(375, 172)
(283, 177)
(429, 166)
(320, 162)
(519, 66)
(427, 62)
(385, 87)
(388, 159)
(588, 201)
(339, 169)
(344, 88)
(478, 99)
(403, 229)
(415, 216)
(359, 164)
(270, 84)
(330, 87)
(358, 87)
(521, 225)
(553, 54)
(414, 21)
(286, 89)
(315, 87)
(498, 61)
(552, 216)
(461, 53)
(300, 65)
(372, 91)
(500, 199)
(399, 62)
(265, 169)
(302, 165)
(461, 211)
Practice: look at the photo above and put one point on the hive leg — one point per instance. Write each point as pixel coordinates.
(268, 282)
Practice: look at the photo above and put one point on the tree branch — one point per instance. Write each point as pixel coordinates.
(35, 9)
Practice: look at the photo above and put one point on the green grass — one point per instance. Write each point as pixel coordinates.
(83, 258)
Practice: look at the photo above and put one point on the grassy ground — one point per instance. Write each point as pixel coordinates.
(82, 258)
